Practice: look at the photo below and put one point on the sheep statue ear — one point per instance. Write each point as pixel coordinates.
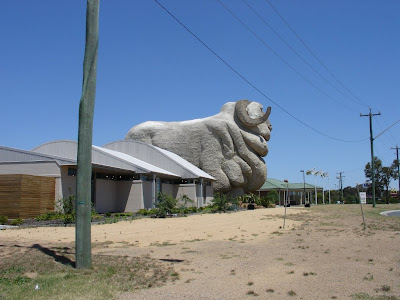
(242, 114)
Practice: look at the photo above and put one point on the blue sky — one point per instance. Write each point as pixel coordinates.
(151, 68)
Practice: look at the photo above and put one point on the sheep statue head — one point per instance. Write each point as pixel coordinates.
(230, 145)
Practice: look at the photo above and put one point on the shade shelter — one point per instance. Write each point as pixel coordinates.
(293, 191)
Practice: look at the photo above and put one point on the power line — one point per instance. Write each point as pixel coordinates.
(391, 133)
(251, 84)
(315, 56)
(279, 56)
(294, 50)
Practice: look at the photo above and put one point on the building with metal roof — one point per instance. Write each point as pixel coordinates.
(296, 193)
(126, 176)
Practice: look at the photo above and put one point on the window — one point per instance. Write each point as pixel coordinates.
(71, 171)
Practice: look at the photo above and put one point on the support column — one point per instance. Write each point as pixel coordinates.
(201, 194)
(153, 191)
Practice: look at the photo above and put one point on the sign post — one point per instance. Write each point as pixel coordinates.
(363, 197)
(363, 200)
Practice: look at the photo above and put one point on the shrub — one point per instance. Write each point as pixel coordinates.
(143, 212)
(68, 210)
(68, 204)
(96, 217)
(16, 222)
(69, 218)
(250, 199)
(165, 204)
(50, 215)
(221, 202)
(153, 211)
(272, 197)
(123, 214)
(3, 220)
(183, 201)
(193, 209)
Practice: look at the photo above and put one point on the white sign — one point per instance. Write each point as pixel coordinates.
(363, 197)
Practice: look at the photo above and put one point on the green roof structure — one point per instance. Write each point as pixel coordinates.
(294, 192)
(274, 184)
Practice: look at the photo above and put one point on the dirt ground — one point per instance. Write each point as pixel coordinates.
(322, 253)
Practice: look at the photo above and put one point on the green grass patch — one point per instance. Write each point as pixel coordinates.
(163, 244)
(52, 271)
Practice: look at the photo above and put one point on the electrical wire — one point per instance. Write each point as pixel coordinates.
(279, 56)
(315, 56)
(251, 84)
(294, 51)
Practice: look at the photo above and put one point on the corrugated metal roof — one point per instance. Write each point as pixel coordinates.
(135, 162)
(138, 158)
(274, 184)
(17, 155)
(159, 157)
(185, 164)
(102, 157)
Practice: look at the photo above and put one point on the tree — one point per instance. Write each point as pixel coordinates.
(389, 173)
(350, 194)
(377, 174)
(395, 166)
(383, 176)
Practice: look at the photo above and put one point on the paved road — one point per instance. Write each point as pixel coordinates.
(392, 213)
(6, 226)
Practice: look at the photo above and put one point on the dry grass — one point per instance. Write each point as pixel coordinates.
(51, 271)
(325, 253)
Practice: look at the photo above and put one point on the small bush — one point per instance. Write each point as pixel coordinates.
(96, 217)
(153, 211)
(193, 209)
(123, 215)
(221, 202)
(68, 218)
(165, 204)
(50, 215)
(271, 198)
(68, 204)
(3, 220)
(16, 222)
(142, 212)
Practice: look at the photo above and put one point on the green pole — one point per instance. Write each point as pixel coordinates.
(83, 254)
(370, 115)
(341, 188)
(372, 160)
(398, 170)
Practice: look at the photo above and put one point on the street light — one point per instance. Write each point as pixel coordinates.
(329, 188)
(315, 173)
(304, 190)
(323, 174)
(285, 201)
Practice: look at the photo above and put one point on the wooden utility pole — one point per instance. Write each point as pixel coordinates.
(341, 186)
(398, 170)
(370, 115)
(83, 250)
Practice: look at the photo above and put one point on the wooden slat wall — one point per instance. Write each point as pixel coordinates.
(26, 196)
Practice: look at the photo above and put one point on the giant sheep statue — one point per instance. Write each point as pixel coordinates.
(229, 145)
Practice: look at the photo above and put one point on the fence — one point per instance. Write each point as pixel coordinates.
(26, 196)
